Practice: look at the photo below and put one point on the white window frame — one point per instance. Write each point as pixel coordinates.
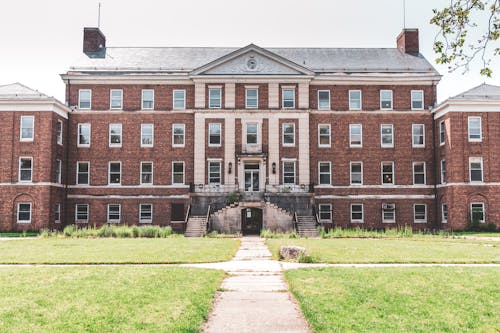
(177, 145)
(483, 208)
(443, 218)
(386, 100)
(320, 145)
(442, 166)
(351, 100)
(469, 127)
(257, 136)
(58, 171)
(425, 172)
(30, 212)
(77, 220)
(386, 145)
(31, 169)
(80, 91)
(57, 213)
(210, 99)
(80, 126)
(146, 145)
(330, 212)
(283, 98)
(329, 100)
(27, 139)
(141, 220)
(210, 162)
(415, 100)
(355, 145)
(59, 132)
(108, 219)
(247, 106)
(442, 133)
(476, 160)
(384, 220)
(210, 135)
(174, 99)
(109, 173)
(413, 144)
(362, 213)
(382, 172)
(78, 172)
(183, 173)
(288, 134)
(415, 213)
(329, 172)
(111, 107)
(114, 144)
(294, 162)
(351, 173)
(141, 172)
(152, 101)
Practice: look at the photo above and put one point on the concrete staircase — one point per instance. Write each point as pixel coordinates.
(196, 226)
(306, 226)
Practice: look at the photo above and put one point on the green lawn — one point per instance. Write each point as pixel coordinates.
(424, 299)
(414, 250)
(117, 251)
(105, 299)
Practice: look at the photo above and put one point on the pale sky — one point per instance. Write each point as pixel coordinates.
(40, 39)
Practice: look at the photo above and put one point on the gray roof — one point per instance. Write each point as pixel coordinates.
(320, 60)
(20, 91)
(483, 91)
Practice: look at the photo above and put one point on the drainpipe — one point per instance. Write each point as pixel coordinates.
(66, 148)
(436, 171)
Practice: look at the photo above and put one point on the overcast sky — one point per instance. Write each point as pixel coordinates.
(40, 39)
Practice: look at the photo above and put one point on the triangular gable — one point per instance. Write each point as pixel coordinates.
(251, 60)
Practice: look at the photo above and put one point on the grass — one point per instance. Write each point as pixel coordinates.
(430, 299)
(19, 234)
(413, 250)
(116, 251)
(105, 299)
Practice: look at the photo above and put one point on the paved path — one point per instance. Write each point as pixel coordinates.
(254, 297)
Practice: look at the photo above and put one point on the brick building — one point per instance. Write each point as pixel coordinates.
(248, 138)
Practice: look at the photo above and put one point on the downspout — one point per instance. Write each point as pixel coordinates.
(66, 148)
(435, 148)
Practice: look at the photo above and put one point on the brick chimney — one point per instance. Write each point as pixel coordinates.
(408, 41)
(93, 40)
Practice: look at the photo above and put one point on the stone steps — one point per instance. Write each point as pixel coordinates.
(196, 226)
(306, 226)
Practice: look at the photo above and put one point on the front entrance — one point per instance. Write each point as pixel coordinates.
(251, 221)
(252, 177)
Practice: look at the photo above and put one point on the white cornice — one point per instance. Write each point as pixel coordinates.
(34, 105)
(377, 78)
(466, 105)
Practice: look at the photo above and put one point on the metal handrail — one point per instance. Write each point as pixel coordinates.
(208, 218)
(187, 214)
(296, 225)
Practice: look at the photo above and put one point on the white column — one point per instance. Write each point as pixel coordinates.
(230, 98)
(304, 149)
(274, 150)
(229, 149)
(304, 95)
(199, 96)
(199, 149)
(274, 96)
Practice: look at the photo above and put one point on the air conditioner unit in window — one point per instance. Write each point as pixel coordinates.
(388, 206)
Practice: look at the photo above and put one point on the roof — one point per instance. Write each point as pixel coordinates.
(483, 91)
(20, 91)
(319, 60)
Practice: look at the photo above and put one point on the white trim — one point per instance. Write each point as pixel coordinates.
(78, 171)
(152, 173)
(83, 145)
(415, 187)
(109, 173)
(31, 212)
(148, 145)
(183, 173)
(142, 99)
(111, 99)
(444, 220)
(111, 144)
(425, 172)
(119, 213)
(377, 196)
(21, 129)
(220, 135)
(330, 210)
(442, 129)
(356, 145)
(57, 211)
(146, 186)
(476, 160)
(329, 136)
(178, 145)
(385, 100)
(483, 208)
(441, 169)
(411, 100)
(140, 211)
(44, 105)
(413, 134)
(58, 171)
(414, 213)
(283, 135)
(286, 160)
(329, 172)
(132, 197)
(283, 88)
(385, 145)
(480, 129)
(246, 97)
(90, 98)
(218, 161)
(256, 133)
(393, 173)
(214, 88)
(360, 100)
(469, 184)
(362, 213)
(329, 100)
(466, 105)
(388, 221)
(76, 213)
(33, 184)
(19, 169)
(184, 99)
(59, 139)
(350, 172)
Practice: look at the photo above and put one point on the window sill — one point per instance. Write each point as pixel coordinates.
(23, 222)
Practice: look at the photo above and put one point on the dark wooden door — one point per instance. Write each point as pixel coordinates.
(251, 221)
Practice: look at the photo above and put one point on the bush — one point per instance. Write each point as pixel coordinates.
(266, 233)
(113, 231)
(305, 258)
(338, 232)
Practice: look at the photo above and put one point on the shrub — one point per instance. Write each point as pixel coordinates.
(69, 230)
(149, 231)
(305, 258)
(165, 232)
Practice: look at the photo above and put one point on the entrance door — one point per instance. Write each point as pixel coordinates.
(252, 177)
(251, 221)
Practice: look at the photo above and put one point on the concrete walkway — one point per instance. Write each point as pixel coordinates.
(254, 297)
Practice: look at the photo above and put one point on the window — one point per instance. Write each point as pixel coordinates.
(475, 133)
(387, 136)
(24, 212)
(177, 172)
(178, 131)
(252, 136)
(323, 99)
(179, 99)
(356, 173)
(82, 213)
(214, 172)
(324, 173)
(82, 173)
(215, 98)
(387, 173)
(476, 169)
(25, 169)
(59, 132)
(57, 213)
(115, 173)
(145, 213)
(147, 135)
(27, 128)
(443, 171)
(355, 100)
(288, 98)
(115, 135)
(146, 173)
(442, 133)
(477, 212)
(444, 213)
(356, 135)
(83, 135)
(420, 213)
(84, 99)
(418, 135)
(417, 99)
(356, 213)
(386, 99)
(324, 135)
(116, 99)
(419, 173)
(251, 98)
(289, 172)
(148, 99)
(214, 134)
(388, 213)
(325, 212)
(288, 134)
(114, 213)
(58, 171)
